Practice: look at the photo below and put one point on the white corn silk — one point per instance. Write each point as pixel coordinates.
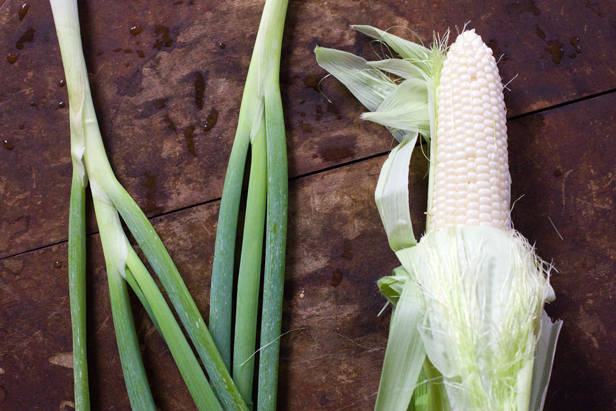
(483, 290)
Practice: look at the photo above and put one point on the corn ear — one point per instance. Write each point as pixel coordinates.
(488, 344)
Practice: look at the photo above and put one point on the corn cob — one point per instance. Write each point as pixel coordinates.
(469, 296)
(472, 182)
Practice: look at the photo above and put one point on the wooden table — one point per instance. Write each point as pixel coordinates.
(159, 69)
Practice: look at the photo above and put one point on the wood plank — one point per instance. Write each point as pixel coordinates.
(561, 161)
(148, 105)
(331, 301)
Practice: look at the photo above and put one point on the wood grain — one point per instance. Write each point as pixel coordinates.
(562, 162)
(330, 360)
(337, 251)
(154, 89)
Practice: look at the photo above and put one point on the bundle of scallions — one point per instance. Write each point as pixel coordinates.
(261, 125)
(468, 331)
(262, 122)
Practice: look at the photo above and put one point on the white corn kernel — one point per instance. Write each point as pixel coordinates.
(472, 182)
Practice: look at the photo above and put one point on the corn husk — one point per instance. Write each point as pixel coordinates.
(468, 301)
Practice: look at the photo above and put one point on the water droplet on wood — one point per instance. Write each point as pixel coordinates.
(575, 42)
(62, 104)
(58, 264)
(190, 143)
(62, 83)
(199, 90)
(528, 6)
(151, 187)
(11, 58)
(26, 38)
(2, 395)
(136, 30)
(336, 278)
(166, 40)
(8, 145)
(23, 11)
(222, 45)
(212, 119)
(32, 104)
(312, 81)
(160, 103)
(170, 123)
(540, 33)
(556, 50)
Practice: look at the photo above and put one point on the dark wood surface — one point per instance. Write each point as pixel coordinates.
(152, 87)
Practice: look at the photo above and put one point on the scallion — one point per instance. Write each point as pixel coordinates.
(110, 202)
(261, 125)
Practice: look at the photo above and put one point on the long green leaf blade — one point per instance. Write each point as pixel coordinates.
(77, 289)
(114, 246)
(249, 278)
(187, 310)
(277, 202)
(183, 355)
(221, 290)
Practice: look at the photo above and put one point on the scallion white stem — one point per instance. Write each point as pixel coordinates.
(109, 199)
(261, 123)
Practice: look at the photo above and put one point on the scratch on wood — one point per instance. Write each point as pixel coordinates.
(555, 229)
(374, 350)
(103, 325)
(365, 398)
(55, 312)
(353, 341)
(588, 203)
(612, 176)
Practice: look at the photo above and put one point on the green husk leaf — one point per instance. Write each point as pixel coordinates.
(400, 68)
(415, 53)
(368, 84)
(405, 108)
(544, 359)
(405, 352)
(392, 196)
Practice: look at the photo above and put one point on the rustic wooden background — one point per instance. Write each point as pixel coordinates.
(162, 70)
